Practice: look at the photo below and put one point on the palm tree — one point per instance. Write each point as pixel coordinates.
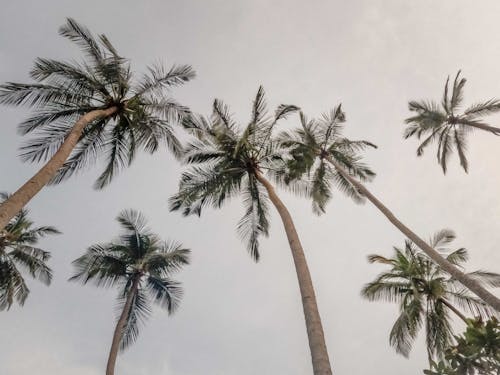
(443, 124)
(318, 141)
(229, 161)
(91, 109)
(140, 265)
(426, 294)
(18, 250)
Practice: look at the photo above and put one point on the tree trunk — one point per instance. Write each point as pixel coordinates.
(25, 193)
(319, 353)
(454, 309)
(467, 281)
(117, 335)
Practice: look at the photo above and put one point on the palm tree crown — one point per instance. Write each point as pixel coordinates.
(140, 265)
(65, 91)
(442, 123)
(227, 160)
(18, 251)
(310, 147)
(426, 294)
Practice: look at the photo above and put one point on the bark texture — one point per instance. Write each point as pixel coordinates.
(25, 193)
(117, 335)
(468, 282)
(317, 345)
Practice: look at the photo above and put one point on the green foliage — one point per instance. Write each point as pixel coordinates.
(477, 351)
(225, 161)
(444, 125)
(64, 91)
(312, 145)
(137, 256)
(426, 294)
(18, 252)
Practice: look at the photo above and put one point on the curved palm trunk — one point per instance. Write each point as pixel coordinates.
(319, 353)
(467, 281)
(25, 193)
(117, 335)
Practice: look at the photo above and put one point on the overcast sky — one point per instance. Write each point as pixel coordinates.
(239, 317)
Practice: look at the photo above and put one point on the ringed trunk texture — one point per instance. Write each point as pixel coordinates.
(317, 345)
(117, 335)
(25, 193)
(467, 281)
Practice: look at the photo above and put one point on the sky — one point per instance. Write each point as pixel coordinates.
(238, 317)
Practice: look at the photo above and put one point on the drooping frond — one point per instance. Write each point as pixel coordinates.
(34, 261)
(102, 264)
(254, 222)
(138, 314)
(19, 254)
(165, 293)
(406, 327)
(170, 257)
(205, 186)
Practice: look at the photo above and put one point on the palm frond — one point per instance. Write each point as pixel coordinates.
(169, 258)
(102, 264)
(119, 155)
(485, 108)
(138, 314)
(254, 222)
(33, 260)
(159, 78)
(164, 292)
(457, 93)
(79, 34)
(406, 327)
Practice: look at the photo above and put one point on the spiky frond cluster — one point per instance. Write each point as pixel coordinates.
(18, 253)
(225, 161)
(423, 290)
(310, 147)
(442, 123)
(64, 91)
(136, 257)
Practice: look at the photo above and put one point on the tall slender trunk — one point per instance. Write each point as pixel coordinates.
(467, 281)
(317, 345)
(117, 335)
(25, 193)
(454, 309)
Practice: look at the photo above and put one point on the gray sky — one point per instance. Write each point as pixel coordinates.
(238, 317)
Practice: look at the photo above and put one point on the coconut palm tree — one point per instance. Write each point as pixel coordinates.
(92, 109)
(140, 264)
(445, 125)
(18, 252)
(318, 149)
(228, 161)
(426, 294)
